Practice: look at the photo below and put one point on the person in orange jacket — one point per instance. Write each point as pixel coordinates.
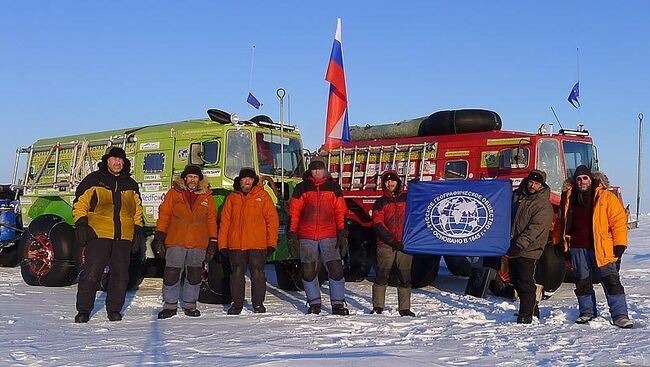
(186, 236)
(592, 227)
(248, 234)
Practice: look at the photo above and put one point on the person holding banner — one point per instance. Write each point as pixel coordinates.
(318, 233)
(388, 217)
(532, 217)
(592, 227)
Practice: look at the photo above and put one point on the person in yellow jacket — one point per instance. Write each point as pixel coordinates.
(592, 227)
(186, 236)
(108, 222)
(248, 234)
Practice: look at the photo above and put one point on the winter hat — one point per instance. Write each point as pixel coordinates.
(537, 176)
(116, 152)
(582, 170)
(390, 175)
(247, 172)
(317, 163)
(192, 169)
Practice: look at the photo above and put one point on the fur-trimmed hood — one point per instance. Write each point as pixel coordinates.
(384, 176)
(204, 185)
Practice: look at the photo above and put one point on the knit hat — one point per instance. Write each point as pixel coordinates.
(192, 169)
(247, 172)
(317, 163)
(537, 176)
(116, 152)
(581, 171)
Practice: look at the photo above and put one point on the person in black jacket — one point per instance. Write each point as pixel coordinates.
(388, 216)
(532, 217)
(108, 222)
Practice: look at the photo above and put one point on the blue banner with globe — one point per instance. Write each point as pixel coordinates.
(469, 218)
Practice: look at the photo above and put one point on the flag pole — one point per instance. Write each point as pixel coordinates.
(250, 78)
(578, 75)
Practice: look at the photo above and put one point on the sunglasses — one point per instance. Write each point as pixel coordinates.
(583, 178)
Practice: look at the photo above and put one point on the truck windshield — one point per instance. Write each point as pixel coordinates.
(269, 155)
(238, 152)
(577, 153)
(548, 160)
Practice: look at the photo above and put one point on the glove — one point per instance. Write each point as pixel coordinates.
(81, 229)
(137, 239)
(210, 250)
(269, 251)
(158, 244)
(342, 242)
(293, 243)
(619, 250)
(224, 253)
(397, 245)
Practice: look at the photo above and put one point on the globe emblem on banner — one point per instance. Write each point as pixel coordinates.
(459, 216)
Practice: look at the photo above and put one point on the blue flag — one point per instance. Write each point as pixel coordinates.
(573, 96)
(253, 101)
(469, 218)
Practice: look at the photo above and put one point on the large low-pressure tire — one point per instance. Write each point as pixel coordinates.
(10, 255)
(47, 252)
(550, 270)
(362, 253)
(424, 270)
(462, 265)
(215, 285)
(289, 275)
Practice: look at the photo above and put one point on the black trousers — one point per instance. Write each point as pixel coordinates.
(255, 261)
(98, 254)
(522, 274)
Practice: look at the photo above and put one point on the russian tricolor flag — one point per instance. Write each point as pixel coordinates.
(337, 129)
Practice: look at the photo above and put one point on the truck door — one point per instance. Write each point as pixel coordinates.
(153, 170)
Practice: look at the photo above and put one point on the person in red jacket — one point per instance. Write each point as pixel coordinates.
(186, 235)
(248, 234)
(318, 233)
(388, 216)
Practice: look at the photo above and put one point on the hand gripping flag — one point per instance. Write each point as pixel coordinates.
(574, 95)
(337, 129)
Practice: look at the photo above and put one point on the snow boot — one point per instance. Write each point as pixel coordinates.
(82, 317)
(524, 319)
(166, 313)
(623, 322)
(584, 319)
(234, 310)
(114, 316)
(340, 310)
(314, 309)
(377, 310)
(259, 309)
(406, 313)
(191, 312)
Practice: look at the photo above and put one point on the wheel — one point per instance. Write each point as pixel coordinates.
(550, 270)
(289, 275)
(136, 274)
(423, 270)
(47, 249)
(215, 285)
(9, 256)
(462, 265)
(362, 253)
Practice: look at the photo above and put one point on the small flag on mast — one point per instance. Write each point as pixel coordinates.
(253, 101)
(337, 129)
(574, 95)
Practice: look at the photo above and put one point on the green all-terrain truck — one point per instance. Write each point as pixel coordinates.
(221, 145)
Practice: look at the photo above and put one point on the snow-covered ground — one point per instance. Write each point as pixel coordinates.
(37, 328)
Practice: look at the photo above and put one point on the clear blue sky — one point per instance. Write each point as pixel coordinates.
(73, 66)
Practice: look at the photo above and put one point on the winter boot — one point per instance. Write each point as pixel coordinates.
(259, 309)
(192, 312)
(314, 309)
(377, 310)
(524, 319)
(82, 317)
(114, 316)
(584, 319)
(536, 311)
(623, 322)
(340, 310)
(406, 313)
(166, 313)
(234, 310)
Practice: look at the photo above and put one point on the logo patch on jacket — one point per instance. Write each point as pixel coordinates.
(204, 202)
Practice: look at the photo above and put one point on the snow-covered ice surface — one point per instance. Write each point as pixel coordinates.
(37, 328)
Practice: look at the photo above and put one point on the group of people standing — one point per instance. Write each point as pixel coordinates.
(590, 231)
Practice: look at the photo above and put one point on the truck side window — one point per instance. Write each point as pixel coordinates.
(239, 152)
(514, 158)
(154, 162)
(456, 170)
(206, 152)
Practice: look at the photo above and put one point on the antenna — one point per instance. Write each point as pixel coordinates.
(556, 119)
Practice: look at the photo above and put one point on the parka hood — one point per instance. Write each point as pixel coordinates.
(384, 177)
(179, 185)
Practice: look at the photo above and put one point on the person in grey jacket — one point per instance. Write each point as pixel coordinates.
(532, 216)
